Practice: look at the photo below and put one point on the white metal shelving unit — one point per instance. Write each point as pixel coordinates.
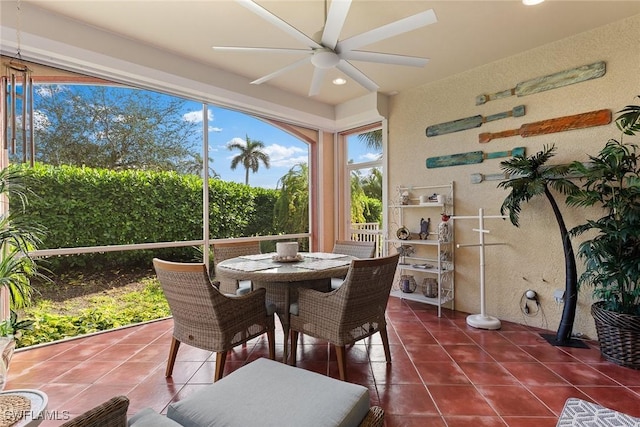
(432, 257)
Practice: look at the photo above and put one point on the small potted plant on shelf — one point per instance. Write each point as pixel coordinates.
(611, 181)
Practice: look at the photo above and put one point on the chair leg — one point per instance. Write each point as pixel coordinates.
(271, 340)
(341, 355)
(294, 347)
(173, 352)
(221, 357)
(385, 343)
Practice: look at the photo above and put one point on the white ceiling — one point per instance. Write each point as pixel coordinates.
(468, 34)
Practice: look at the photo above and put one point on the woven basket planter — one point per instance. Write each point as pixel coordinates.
(618, 335)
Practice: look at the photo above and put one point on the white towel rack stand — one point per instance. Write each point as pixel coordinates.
(482, 320)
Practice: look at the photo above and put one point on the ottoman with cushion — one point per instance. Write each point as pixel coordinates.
(268, 393)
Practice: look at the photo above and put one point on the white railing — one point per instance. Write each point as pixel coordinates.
(368, 232)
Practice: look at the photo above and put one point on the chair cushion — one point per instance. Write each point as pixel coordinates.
(150, 418)
(244, 287)
(336, 282)
(269, 393)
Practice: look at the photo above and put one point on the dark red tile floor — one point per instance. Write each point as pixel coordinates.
(443, 373)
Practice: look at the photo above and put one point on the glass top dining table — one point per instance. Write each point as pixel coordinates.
(281, 278)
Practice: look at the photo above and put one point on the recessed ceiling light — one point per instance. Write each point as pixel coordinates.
(339, 81)
(531, 2)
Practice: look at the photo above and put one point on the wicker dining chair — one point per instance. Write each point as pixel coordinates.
(227, 250)
(111, 413)
(205, 318)
(354, 311)
(360, 250)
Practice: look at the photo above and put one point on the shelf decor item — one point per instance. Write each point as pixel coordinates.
(405, 198)
(444, 229)
(424, 228)
(405, 251)
(403, 233)
(408, 283)
(430, 287)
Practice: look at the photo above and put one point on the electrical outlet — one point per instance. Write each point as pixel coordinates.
(558, 295)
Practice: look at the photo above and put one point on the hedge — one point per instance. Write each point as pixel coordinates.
(82, 206)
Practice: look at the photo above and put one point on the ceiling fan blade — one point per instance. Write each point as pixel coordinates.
(316, 81)
(335, 21)
(281, 71)
(405, 25)
(357, 75)
(259, 49)
(276, 21)
(384, 58)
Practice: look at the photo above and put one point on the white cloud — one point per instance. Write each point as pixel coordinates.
(236, 140)
(279, 155)
(196, 117)
(40, 120)
(370, 157)
(282, 156)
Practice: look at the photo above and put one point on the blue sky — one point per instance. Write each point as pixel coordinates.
(227, 126)
(284, 150)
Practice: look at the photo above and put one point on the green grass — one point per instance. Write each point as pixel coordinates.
(98, 312)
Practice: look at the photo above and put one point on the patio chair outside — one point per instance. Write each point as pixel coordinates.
(205, 318)
(354, 311)
(224, 251)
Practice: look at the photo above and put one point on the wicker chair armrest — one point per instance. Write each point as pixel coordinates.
(112, 413)
(374, 418)
(237, 312)
(252, 301)
(316, 304)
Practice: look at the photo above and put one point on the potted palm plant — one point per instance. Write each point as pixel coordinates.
(531, 177)
(612, 253)
(17, 268)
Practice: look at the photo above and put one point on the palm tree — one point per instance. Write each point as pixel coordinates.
(372, 139)
(250, 156)
(531, 178)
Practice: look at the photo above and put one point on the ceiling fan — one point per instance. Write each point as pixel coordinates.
(329, 52)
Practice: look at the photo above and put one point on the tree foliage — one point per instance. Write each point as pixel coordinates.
(292, 207)
(113, 128)
(250, 157)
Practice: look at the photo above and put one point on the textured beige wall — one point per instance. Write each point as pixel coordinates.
(533, 258)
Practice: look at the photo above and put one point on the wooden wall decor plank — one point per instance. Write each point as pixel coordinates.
(477, 178)
(472, 122)
(470, 157)
(552, 81)
(558, 124)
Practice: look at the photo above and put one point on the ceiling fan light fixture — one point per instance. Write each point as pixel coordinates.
(339, 81)
(531, 2)
(325, 59)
